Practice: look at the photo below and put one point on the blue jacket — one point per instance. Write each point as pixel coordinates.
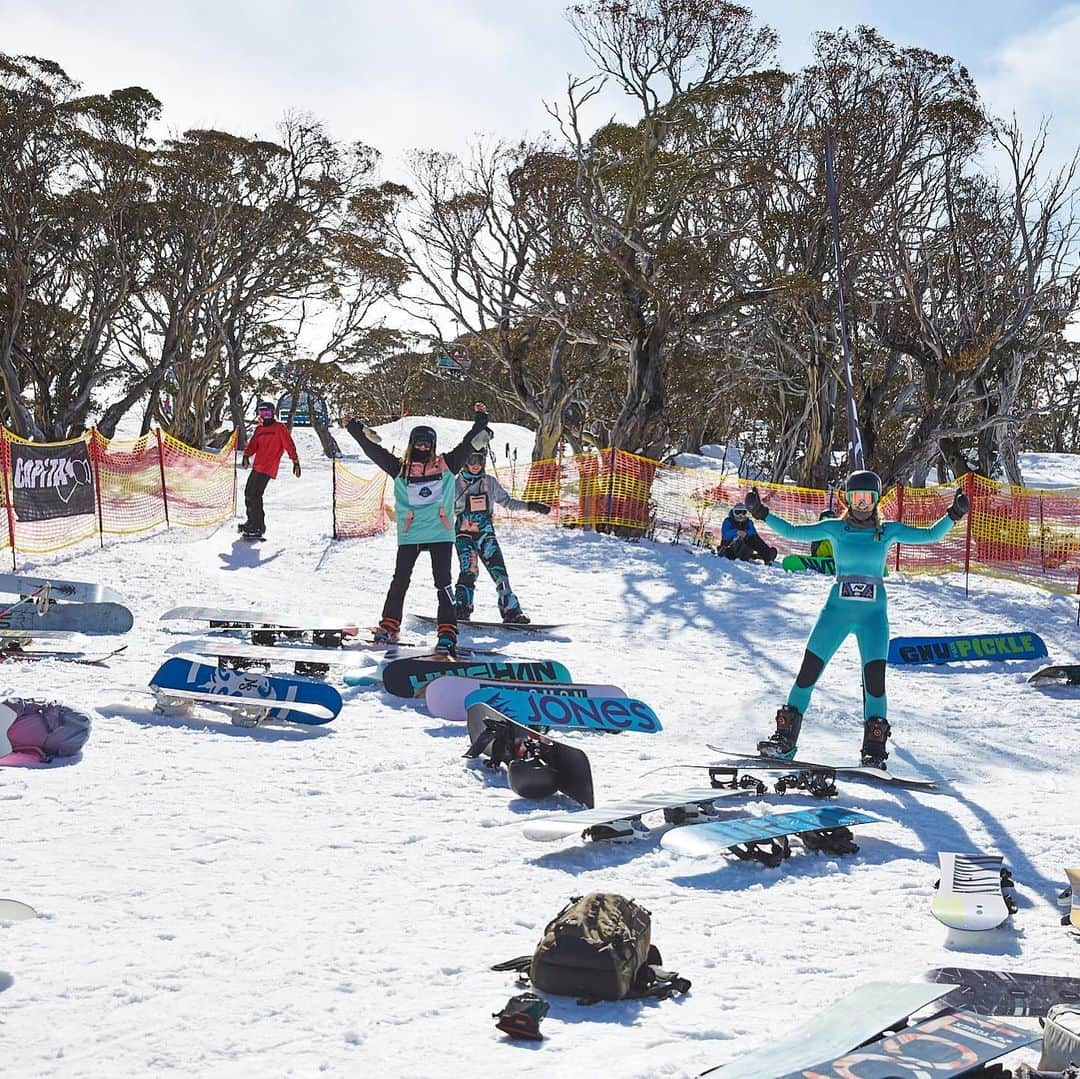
(729, 533)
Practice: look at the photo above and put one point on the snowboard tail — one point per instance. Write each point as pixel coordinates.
(999, 992)
(970, 895)
(1069, 674)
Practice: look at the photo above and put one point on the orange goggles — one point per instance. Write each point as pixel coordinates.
(863, 501)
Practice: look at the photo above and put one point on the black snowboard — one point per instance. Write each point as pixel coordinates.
(1069, 674)
(996, 992)
(953, 1044)
(503, 741)
(409, 677)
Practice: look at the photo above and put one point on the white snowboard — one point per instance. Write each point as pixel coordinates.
(254, 708)
(323, 621)
(76, 591)
(11, 910)
(347, 655)
(445, 697)
(548, 828)
(969, 894)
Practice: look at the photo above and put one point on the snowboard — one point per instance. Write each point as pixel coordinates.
(11, 910)
(505, 741)
(251, 695)
(954, 1044)
(91, 618)
(411, 677)
(241, 619)
(853, 1020)
(77, 591)
(1068, 674)
(798, 563)
(998, 992)
(764, 839)
(970, 896)
(512, 627)
(867, 774)
(1073, 918)
(445, 697)
(564, 713)
(38, 655)
(622, 820)
(915, 651)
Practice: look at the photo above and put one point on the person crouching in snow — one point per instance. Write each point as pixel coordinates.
(476, 541)
(739, 538)
(268, 442)
(425, 484)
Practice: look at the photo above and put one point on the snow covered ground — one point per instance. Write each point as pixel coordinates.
(227, 902)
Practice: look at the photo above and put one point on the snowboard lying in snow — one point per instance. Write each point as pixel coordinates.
(799, 563)
(564, 713)
(999, 992)
(91, 618)
(465, 624)
(914, 651)
(411, 677)
(765, 839)
(853, 1020)
(77, 591)
(970, 894)
(953, 1044)
(11, 910)
(1069, 675)
(251, 697)
(446, 696)
(506, 742)
(869, 775)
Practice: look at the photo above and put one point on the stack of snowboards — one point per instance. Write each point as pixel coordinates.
(250, 697)
(953, 1044)
(971, 894)
(766, 839)
(445, 697)
(916, 651)
(556, 711)
(267, 628)
(852, 1021)
(411, 677)
(800, 563)
(1068, 675)
(537, 766)
(621, 821)
(859, 772)
(465, 624)
(11, 910)
(44, 604)
(15, 647)
(1072, 896)
(998, 992)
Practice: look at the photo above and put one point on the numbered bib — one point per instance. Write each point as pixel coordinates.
(865, 591)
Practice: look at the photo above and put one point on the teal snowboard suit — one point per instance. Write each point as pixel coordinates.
(857, 602)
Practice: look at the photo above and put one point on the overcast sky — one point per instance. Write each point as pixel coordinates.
(434, 73)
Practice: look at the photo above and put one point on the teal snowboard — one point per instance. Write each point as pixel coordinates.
(559, 712)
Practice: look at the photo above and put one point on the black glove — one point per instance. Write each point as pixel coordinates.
(755, 505)
(539, 507)
(960, 505)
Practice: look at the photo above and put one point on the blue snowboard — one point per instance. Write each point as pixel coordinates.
(560, 712)
(914, 651)
(186, 677)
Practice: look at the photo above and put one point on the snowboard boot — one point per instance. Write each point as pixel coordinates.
(388, 631)
(446, 646)
(463, 612)
(876, 732)
(516, 618)
(770, 555)
(782, 744)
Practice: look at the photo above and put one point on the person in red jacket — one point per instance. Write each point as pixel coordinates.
(263, 452)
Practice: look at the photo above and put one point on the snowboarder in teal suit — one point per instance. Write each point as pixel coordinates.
(856, 604)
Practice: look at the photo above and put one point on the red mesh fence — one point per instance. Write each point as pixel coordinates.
(137, 485)
(1021, 533)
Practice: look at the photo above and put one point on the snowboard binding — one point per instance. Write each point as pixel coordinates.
(818, 784)
(876, 733)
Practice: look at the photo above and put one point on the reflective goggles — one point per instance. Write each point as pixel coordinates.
(740, 513)
(863, 501)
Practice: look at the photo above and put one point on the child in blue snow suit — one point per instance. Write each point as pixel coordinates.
(476, 541)
(856, 604)
(739, 538)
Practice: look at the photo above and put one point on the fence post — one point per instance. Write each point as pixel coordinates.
(9, 486)
(333, 498)
(161, 470)
(900, 518)
(97, 484)
(969, 483)
(611, 485)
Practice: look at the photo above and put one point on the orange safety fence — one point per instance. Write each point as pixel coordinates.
(1021, 533)
(70, 491)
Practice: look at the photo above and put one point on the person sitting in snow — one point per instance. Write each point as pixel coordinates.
(739, 538)
(476, 541)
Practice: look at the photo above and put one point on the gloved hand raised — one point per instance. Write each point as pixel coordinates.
(960, 506)
(539, 507)
(755, 505)
(296, 469)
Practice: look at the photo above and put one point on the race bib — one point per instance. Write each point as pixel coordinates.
(478, 503)
(861, 590)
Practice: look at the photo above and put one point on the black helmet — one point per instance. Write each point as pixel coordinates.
(863, 481)
(423, 433)
(262, 406)
(532, 778)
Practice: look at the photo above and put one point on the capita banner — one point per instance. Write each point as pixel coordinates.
(51, 481)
